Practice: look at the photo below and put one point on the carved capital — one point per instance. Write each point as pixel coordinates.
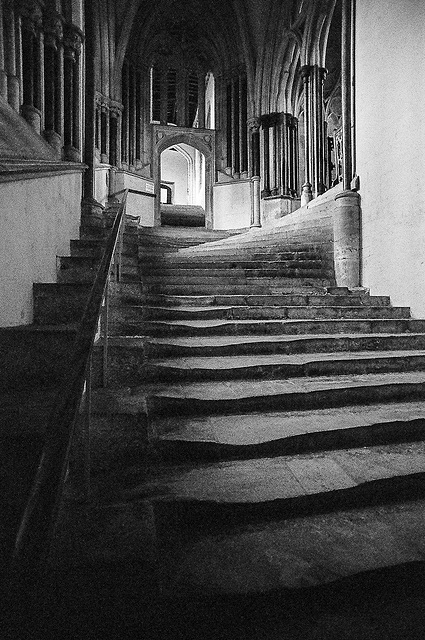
(72, 41)
(31, 13)
(254, 124)
(53, 29)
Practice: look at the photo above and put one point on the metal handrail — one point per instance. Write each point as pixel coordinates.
(37, 526)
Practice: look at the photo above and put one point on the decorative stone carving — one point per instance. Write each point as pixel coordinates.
(31, 15)
(53, 29)
(72, 41)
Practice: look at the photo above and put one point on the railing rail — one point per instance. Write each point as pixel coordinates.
(37, 526)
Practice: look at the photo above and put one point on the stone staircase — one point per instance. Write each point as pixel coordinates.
(261, 434)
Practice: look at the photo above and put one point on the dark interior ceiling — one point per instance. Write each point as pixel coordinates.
(204, 32)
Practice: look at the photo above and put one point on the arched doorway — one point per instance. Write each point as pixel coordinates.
(182, 176)
(197, 147)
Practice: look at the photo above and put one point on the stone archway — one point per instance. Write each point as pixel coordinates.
(165, 136)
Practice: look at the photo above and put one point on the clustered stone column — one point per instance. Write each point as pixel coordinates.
(130, 131)
(235, 119)
(32, 64)
(107, 130)
(254, 125)
(314, 129)
(72, 53)
(40, 72)
(279, 133)
(53, 81)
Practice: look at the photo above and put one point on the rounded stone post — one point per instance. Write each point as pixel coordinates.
(347, 239)
(306, 194)
(256, 197)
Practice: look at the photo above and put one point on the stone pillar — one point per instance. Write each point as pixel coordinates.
(347, 239)
(52, 82)
(104, 133)
(201, 100)
(347, 168)
(313, 78)
(266, 157)
(3, 74)
(31, 22)
(254, 127)
(9, 25)
(91, 210)
(72, 49)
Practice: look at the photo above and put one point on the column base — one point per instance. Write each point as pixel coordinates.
(32, 116)
(92, 213)
(55, 141)
(256, 203)
(72, 154)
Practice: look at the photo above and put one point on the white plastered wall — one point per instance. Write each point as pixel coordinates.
(390, 129)
(232, 205)
(38, 218)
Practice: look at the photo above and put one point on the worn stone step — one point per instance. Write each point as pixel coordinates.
(81, 274)
(170, 267)
(240, 396)
(267, 312)
(251, 345)
(175, 259)
(324, 300)
(289, 432)
(246, 289)
(284, 366)
(325, 551)
(211, 497)
(273, 327)
(229, 275)
(238, 280)
(59, 303)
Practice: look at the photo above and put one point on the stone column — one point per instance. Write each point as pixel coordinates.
(52, 86)
(313, 77)
(266, 157)
(91, 209)
(347, 168)
(9, 25)
(254, 127)
(72, 49)
(347, 239)
(201, 100)
(3, 74)
(31, 22)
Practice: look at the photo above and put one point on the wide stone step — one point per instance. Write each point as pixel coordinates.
(288, 432)
(212, 497)
(174, 260)
(248, 288)
(239, 396)
(169, 267)
(284, 366)
(266, 561)
(251, 345)
(273, 327)
(324, 300)
(268, 312)
(228, 276)
(238, 280)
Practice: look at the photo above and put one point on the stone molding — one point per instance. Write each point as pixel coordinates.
(12, 170)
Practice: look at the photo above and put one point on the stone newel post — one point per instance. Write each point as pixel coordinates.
(347, 239)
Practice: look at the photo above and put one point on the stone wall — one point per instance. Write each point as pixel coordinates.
(38, 218)
(390, 132)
